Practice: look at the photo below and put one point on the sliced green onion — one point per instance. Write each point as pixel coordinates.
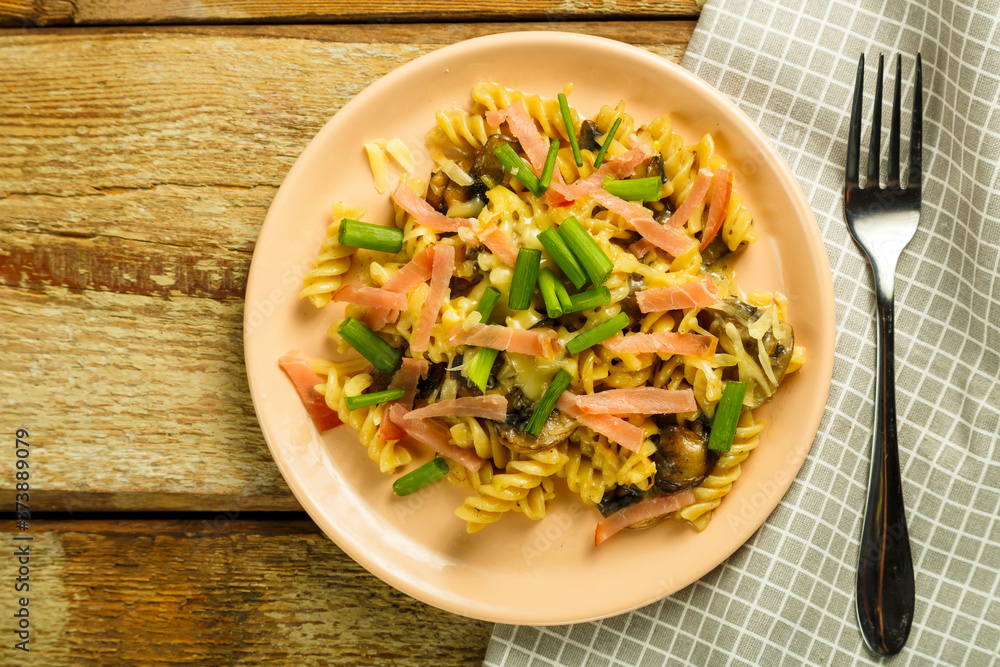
(550, 164)
(727, 415)
(548, 403)
(357, 234)
(486, 304)
(519, 169)
(371, 346)
(597, 264)
(609, 137)
(570, 131)
(564, 298)
(417, 479)
(595, 335)
(635, 189)
(592, 298)
(547, 285)
(563, 257)
(478, 371)
(374, 398)
(522, 285)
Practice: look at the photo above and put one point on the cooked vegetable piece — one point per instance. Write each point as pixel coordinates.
(727, 415)
(635, 189)
(522, 286)
(371, 346)
(478, 371)
(487, 303)
(547, 286)
(595, 335)
(550, 164)
(374, 398)
(607, 142)
(683, 459)
(357, 234)
(417, 479)
(564, 299)
(519, 169)
(563, 257)
(583, 246)
(570, 130)
(548, 402)
(592, 298)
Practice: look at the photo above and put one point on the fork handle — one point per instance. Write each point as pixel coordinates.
(885, 588)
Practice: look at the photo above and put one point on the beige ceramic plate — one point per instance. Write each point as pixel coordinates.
(519, 571)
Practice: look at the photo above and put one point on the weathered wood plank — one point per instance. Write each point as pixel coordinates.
(220, 592)
(38, 13)
(136, 167)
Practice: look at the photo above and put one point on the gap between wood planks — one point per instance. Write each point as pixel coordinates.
(43, 13)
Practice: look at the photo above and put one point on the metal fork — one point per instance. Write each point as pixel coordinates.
(882, 220)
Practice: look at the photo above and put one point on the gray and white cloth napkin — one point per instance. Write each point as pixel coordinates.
(786, 597)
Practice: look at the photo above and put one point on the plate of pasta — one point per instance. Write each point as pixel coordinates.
(539, 328)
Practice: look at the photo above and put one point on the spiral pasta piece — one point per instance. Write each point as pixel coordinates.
(333, 261)
(709, 494)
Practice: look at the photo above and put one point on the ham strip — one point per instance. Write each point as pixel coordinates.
(411, 274)
(492, 406)
(696, 195)
(673, 240)
(371, 296)
(444, 266)
(700, 293)
(622, 166)
(406, 376)
(641, 511)
(638, 401)
(614, 429)
(414, 272)
(305, 380)
(536, 342)
(497, 241)
(522, 126)
(722, 190)
(435, 436)
(424, 213)
(695, 345)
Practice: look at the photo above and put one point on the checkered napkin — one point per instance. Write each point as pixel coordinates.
(787, 596)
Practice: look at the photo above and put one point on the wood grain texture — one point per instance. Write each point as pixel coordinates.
(219, 592)
(136, 167)
(39, 13)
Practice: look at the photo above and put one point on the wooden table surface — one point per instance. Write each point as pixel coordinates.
(141, 143)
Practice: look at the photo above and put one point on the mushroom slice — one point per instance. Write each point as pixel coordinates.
(556, 430)
(682, 459)
(762, 344)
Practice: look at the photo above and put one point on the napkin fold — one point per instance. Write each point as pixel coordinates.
(787, 596)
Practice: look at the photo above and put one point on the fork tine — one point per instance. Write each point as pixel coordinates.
(854, 136)
(874, 147)
(893, 176)
(916, 131)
